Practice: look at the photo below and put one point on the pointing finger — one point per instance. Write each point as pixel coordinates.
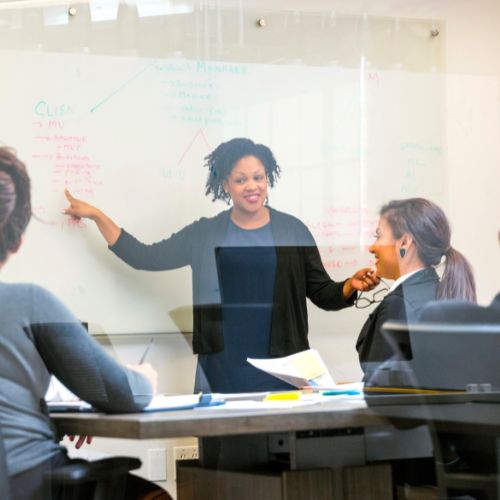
(68, 195)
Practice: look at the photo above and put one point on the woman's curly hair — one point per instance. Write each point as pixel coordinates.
(223, 158)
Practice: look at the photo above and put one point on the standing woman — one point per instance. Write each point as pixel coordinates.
(412, 237)
(252, 269)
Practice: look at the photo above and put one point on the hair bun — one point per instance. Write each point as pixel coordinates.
(15, 201)
(7, 196)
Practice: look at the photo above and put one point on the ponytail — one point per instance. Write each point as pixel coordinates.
(457, 281)
(431, 233)
(7, 198)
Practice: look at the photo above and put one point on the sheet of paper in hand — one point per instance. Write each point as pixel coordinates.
(305, 368)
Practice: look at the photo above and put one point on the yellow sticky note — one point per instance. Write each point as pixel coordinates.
(307, 365)
(282, 396)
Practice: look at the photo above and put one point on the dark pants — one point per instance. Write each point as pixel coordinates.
(29, 485)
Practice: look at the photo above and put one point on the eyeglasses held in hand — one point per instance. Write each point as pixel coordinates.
(364, 302)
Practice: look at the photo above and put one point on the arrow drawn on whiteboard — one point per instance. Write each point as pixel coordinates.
(120, 88)
(199, 133)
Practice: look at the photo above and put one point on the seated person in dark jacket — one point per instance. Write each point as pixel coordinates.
(252, 269)
(39, 336)
(412, 237)
(458, 454)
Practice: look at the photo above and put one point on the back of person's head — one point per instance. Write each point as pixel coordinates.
(429, 227)
(224, 157)
(15, 202)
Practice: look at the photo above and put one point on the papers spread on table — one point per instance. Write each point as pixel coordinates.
(352, 392)
(264, 405)
(163, 402)
(60, 399)
(302, 369)
(160, 402)
(241, 401)
(58, 392)
(68, 406)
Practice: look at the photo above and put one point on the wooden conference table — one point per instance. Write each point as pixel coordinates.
(338, 422)
(241, 440)
(210, 422)
(477, 417)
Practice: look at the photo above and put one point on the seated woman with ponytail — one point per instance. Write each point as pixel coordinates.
(412, 238)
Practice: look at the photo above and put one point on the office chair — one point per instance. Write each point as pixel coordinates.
(449, 357)
(103, 479)
(100, 480)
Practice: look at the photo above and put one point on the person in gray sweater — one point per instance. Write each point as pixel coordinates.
(39, 337)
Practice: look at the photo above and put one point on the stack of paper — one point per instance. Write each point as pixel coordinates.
(160, 402)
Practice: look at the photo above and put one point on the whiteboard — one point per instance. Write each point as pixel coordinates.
(129, 134)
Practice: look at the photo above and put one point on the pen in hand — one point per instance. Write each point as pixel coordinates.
(143, 357)
(145, 369)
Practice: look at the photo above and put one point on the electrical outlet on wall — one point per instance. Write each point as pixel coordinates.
(157, 464)
(184, 453)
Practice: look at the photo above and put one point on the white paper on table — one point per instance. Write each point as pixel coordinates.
(173, 402)
(302, 369)
(264, 405)
(68, 406)
(59, 398)
(57, 392)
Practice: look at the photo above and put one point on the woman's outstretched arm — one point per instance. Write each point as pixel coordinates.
(80, 209)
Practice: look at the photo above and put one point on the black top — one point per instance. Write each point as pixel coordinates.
(458, 311)
(404, 303)
(299, 274)
(247, 267)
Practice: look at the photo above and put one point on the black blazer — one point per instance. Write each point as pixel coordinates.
(404, 303)
(299, 275)
(458, 311)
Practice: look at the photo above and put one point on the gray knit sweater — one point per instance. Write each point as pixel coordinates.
(40, 337)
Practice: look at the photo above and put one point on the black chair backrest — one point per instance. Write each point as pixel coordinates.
(444, 356)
